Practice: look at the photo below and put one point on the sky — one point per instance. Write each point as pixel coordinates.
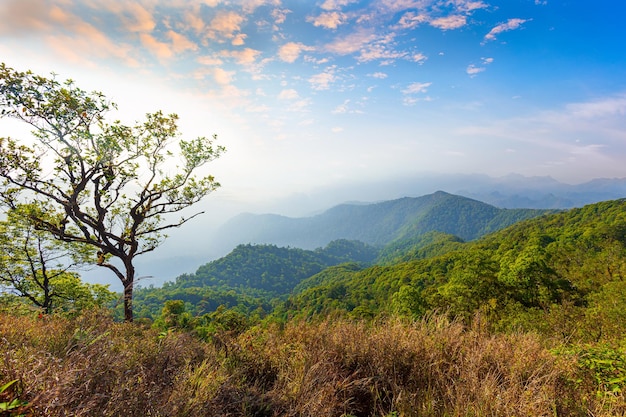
(307, 95)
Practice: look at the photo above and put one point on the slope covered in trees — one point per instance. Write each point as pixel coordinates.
(250, 276)
(564, 272)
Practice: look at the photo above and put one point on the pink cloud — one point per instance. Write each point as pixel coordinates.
(330, 20)
(290, 51)
(511, 24)
(449, 22)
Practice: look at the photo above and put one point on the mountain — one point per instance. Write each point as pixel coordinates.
(515, 191)
(375, 224)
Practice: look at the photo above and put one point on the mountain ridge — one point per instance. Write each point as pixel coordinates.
(376, 223)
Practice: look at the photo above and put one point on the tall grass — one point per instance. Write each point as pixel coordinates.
(91, 366)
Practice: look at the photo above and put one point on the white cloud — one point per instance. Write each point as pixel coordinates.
(279, 16)
(511, 24)
(419, 58)
(239, 39)
(137, 19)
(222, 76)
(323, 80)
(290, 51)
(379, 51)
(379, 75)
(336, 4)
(469, 5)
(209, 61)
(328, 20)
(607, 107)
(245, 57)
(342, 108)
(410, 20)
(225, 24)
(415, 88)
(289, 94)
(351, 43)
(472, 69)
(180, 43)
(449, 22)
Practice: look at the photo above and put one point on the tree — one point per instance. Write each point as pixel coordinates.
(118, 185)
(37, 267)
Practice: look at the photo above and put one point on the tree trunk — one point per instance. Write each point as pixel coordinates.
(128, 301)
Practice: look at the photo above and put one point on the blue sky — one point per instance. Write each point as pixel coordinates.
(311, 94)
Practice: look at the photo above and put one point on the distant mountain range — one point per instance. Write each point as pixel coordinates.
(375, 224)
(518, 191)
(512, 191)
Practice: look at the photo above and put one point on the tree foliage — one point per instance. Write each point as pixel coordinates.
(41, 269)
(116, 184)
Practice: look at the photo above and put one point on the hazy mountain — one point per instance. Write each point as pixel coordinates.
(375, 224)
(518, 191)
(201, 241)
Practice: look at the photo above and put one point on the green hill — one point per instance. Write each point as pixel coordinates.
(250, 276)
(564, 272)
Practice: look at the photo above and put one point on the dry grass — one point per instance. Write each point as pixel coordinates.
(92, 366)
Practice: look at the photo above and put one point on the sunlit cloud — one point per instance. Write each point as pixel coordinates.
(323, 80)
(160, 49)
(194, 22)
(180, 43)
(410, 20)
(449, 22)
(20, 17)
(511, 24)
(336, 4)
(472, 69)
(412, 91)
(209, 61)
(469, 5)
(345, 45)
(86, 42)
(279, 16)
(245, 57)
(290, 51)
(136, 18)
(416, 88)
(225, 24)
(328, 20)
(222, 76)
(289, 94)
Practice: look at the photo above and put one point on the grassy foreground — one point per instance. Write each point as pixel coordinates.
(90, 365)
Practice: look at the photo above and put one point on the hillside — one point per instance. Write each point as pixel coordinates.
(563, 272)
(376, 224)
(250, 276)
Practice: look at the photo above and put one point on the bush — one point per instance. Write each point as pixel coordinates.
(91, 365)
